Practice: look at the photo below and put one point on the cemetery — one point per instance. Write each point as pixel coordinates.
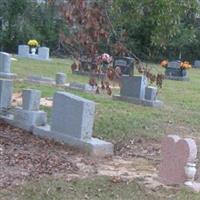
(86, 109)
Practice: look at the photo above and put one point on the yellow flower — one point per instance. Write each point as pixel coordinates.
(33, 43)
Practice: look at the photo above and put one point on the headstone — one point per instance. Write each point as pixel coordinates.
(151, 93)
(6, 89)
(40, 79)
(5, 62)
(133, 86)
(23, 50)
(126, 65)
(31, 99)
(29, 115)
(174, 64)
(73, 115)
(72, 123)
(43, 53)
(60, 78)
(176, 153)
(175, 72)
(197, 64)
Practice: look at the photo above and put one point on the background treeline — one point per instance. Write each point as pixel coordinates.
(153, 30)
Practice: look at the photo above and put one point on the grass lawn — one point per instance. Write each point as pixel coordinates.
(92, 189)
(117, 122)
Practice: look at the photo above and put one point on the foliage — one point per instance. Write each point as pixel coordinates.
(156, 24)
(25, 19)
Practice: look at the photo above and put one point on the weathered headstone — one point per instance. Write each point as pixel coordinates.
(60, 78)
(176, 153)
(43, 53)
(126, 64)
(5, 65)
(6, 89)
(72, 123)
(23, 50)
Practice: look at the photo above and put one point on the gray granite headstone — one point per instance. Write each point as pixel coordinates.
(133, 86)
(126, 64)
(72, 115)
(5, 62)
(23, 50)
(150, 93)
(60, 78)
(43, 53)
(31, 99)
(6, 89)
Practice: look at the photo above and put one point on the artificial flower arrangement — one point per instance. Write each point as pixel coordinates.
(184, 65)
(104, 59)
(33, 43)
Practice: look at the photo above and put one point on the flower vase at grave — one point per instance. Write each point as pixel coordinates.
(33, 50)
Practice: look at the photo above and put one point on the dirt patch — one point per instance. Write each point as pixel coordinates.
(24, 157)
(17, 100)
(139, 148)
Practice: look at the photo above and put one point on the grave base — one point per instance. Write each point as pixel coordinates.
(82, 73)
(177, 78)
(8, 75)
(81, 87)
(144, 102)
(25, 120)
(93, 146)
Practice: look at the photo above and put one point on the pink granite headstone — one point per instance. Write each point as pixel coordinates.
(176, 153)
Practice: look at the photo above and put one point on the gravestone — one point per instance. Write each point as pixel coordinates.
(197, 64)
(173, 71)
(133, 86)
(82, 87)
(134, 89)
(43, 53)
(31, 99)
(176, 153)
(72, 123)
(40, 79)
(151, 93)
(126, 64)
(74, 114)
(5, 65)
(23, 50)
(60, 78)
(29, 115)
(6, 89)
